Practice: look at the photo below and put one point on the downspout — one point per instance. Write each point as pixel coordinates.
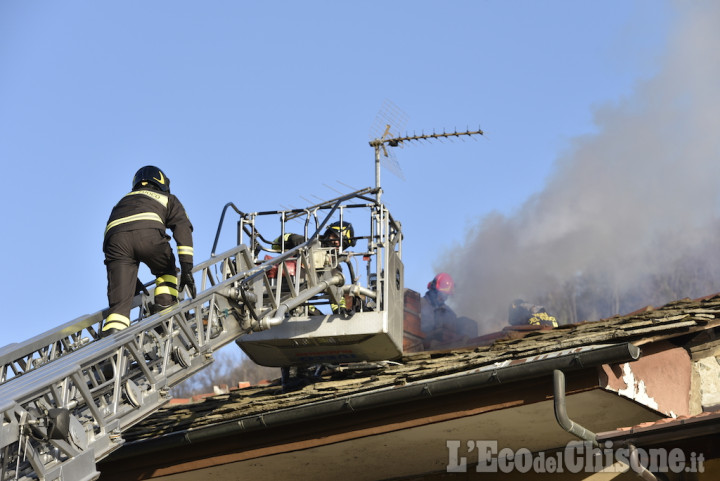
(586, 435)
(561, 411)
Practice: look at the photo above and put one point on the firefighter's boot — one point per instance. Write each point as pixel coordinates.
(108, 332)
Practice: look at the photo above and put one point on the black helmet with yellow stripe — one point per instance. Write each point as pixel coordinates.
(151, 175)
(340, 230)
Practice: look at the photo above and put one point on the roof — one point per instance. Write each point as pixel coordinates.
(527, 343)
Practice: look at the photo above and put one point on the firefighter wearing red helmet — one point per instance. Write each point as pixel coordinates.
(434, 310)
(136, 232)
(438, 321)
(442, 285)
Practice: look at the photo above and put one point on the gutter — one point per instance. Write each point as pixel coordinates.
(497, 373)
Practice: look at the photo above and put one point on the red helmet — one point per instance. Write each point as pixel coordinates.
(442, 283)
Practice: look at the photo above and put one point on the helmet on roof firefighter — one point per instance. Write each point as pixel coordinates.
(151, 175)
(340, 230)
(442, 282)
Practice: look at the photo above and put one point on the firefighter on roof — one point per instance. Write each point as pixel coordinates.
(136, 232)
(434, 311)
(437, 320)
(521, 313)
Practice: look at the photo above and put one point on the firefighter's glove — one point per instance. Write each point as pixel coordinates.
(186, 278)
(344, 312)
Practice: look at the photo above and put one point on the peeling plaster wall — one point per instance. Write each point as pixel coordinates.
(707, 377)
(660, 379)
(635, 388)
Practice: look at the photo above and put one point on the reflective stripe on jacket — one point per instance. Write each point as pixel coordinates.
(150, 209)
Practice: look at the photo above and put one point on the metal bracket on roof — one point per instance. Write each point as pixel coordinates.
(262, 420)
(578, 361)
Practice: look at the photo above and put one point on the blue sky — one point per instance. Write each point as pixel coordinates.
(263, 103)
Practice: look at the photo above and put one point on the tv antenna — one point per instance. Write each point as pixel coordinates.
(394, 119)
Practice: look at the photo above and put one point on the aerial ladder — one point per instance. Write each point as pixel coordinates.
(68, 395)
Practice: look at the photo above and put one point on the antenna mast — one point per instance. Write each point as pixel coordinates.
(379, 144)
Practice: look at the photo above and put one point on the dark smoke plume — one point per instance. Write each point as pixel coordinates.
(629, 216)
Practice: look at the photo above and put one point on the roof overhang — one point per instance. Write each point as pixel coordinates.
(398, 431)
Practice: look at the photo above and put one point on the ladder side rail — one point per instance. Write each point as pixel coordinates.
(20, 358)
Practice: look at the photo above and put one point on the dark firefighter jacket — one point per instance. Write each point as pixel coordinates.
(150, 209)
(525, 313)
(290, 241)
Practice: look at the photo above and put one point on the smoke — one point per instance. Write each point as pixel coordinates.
(629, 216)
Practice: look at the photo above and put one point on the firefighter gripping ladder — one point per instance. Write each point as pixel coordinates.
(67, 396)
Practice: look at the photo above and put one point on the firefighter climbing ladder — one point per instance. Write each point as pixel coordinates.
(67, 396)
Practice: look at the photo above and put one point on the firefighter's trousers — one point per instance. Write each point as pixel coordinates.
(123, 253)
